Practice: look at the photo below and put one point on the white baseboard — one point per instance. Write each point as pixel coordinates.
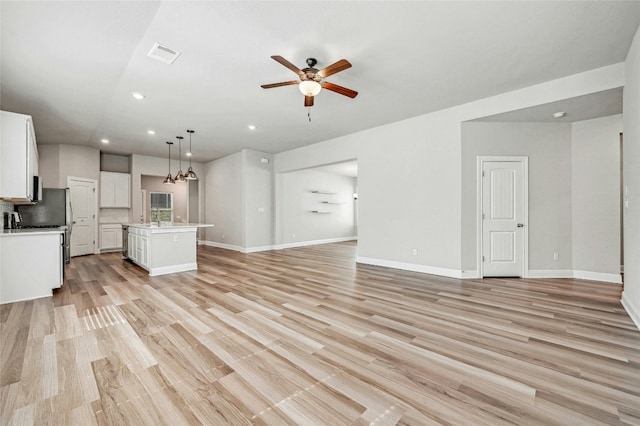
(598, 276)
(550, 273)
(276, 247)
(577, 274)
(433, 270)
(171, 269)
(632, 310)
(467, 275)
(222, 245)
(313, 242)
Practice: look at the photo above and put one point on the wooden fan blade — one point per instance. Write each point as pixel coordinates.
(287, 64)
(339, 89)
(284, 83)
(308, 101)
(341, 65)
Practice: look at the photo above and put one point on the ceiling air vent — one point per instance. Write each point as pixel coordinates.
(163, 53)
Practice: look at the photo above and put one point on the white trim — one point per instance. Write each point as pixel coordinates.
(632, 310)
(525, 213)
(433, 270)
(598, 276)
(467, 275)
(313, 242)
(580, 275)
(173, 268)
(550, 273)
(257, 249)
(276, 247)
(222, 245)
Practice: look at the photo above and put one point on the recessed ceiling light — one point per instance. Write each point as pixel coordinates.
(104, 140)
(151, 132)
(189, 154)
(559, 114)
(251, 126)
(138, 96)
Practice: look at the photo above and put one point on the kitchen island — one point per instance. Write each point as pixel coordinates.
(164, 249)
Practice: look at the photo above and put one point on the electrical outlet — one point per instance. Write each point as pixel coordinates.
(415, 252)
(175, 238)
(556, 257)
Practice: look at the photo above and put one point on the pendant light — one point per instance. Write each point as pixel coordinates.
(180, 177)
(190, 175)
(169, 180)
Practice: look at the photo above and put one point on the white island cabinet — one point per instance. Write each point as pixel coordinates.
(164, 249)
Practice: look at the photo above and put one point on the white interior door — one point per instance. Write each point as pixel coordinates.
(503, 218)
(83, 202)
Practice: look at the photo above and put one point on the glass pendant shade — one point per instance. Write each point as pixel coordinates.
(180, 176)
(190, 175)
(169, 179)
(309, 87)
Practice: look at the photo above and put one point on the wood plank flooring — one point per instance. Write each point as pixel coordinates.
(305, 336)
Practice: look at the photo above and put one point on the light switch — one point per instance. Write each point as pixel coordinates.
(260, 209)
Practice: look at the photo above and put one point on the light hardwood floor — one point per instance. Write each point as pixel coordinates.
(306, 336)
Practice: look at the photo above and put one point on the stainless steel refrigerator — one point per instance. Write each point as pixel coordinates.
(52, 211)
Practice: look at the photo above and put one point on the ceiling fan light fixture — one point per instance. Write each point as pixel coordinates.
(309, 87)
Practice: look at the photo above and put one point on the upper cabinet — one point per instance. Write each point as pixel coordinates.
(115, 190)
(18, 157)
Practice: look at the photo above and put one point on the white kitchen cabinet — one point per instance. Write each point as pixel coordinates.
(31, 264)
(19, 157)
(110, 237)
(115, 190)
(139, 246)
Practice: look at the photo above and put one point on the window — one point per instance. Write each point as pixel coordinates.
(161, 206)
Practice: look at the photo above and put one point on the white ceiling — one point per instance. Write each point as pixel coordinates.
(73, 65)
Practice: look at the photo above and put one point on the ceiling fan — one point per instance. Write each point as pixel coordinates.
(311, 80)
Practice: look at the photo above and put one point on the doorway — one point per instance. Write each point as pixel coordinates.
(84, 205)
(502, 195)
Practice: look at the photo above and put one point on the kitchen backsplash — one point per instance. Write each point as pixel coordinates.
(6, 206)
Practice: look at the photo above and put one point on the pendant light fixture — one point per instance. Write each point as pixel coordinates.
(169, 179)
(180, 177)
(190, 175)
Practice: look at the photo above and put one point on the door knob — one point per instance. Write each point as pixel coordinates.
(521, 225)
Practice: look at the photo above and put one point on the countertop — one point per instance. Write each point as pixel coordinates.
(170, 226)
(30, 231)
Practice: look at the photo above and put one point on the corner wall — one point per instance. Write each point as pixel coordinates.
(548, 146)
(595, 198)
(631, 176)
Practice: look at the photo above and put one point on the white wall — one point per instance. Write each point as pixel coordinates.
(410, 176)
(57, 162)
(240, 201)
(548, 146)
(224, 198)
(595, 195)
(257, 190)
(299, 223)
(631, 147)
